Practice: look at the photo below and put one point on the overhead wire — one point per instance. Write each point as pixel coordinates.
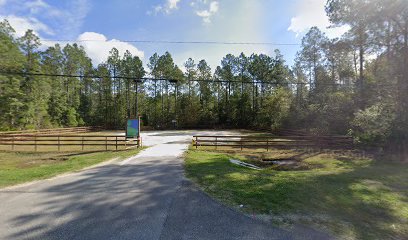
(139, 79)
(175, 42)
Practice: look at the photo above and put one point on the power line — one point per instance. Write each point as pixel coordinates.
(177, 42)
(140, 79)
(83, 76)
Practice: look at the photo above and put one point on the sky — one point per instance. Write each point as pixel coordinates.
(99, 25)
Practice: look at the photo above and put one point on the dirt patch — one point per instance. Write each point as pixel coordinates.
(280, 164)
(284, 160)
(288, 165)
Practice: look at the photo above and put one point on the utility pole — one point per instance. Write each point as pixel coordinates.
(136, 98)
(175, 101)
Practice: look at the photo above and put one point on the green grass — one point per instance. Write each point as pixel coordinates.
(352, 197)
(20, 167)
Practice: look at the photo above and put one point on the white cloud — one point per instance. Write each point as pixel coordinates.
(41, 7)
(311, 13)
(65, 21)
(203, 14)
(227, 27)
(167, 7)
(21, 25)
(66, 24)
(214, 7)
(36, 5)
(73, 18)
(206, 14)
(97, 46)
(172, 4)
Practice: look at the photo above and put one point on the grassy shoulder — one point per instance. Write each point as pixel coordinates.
(351, 196)
(20, 167)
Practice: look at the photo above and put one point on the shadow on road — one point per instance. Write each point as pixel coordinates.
(108, 202)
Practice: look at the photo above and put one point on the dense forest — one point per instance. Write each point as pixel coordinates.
(356, 84)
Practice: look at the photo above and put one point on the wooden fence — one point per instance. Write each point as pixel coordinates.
(53, 131)
(53, 142)
(342, 142)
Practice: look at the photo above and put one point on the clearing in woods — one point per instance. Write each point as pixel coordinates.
(353, 195)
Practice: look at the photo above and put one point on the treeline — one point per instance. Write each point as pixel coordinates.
(356, 84)
(242, 92)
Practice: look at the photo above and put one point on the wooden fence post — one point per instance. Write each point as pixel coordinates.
(196, 142)
(12, 143)
(267, 145)
(59, 144)
(35, 143)
(106, 143)
(82, 143)
(116, 139)
(216, 141)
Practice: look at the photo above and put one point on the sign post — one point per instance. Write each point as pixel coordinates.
(133, 128)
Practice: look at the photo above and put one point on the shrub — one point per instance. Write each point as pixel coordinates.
(373, 124)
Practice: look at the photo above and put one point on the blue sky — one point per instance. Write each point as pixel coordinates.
(106, 24)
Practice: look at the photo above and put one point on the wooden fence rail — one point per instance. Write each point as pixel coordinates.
(52, 131)
(344, 142)
(58, 141)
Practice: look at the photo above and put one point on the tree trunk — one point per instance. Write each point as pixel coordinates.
(136, 100)
(361, 77)
(355, 64)
(403, 100)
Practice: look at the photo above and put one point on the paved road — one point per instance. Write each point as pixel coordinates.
(144, 197)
